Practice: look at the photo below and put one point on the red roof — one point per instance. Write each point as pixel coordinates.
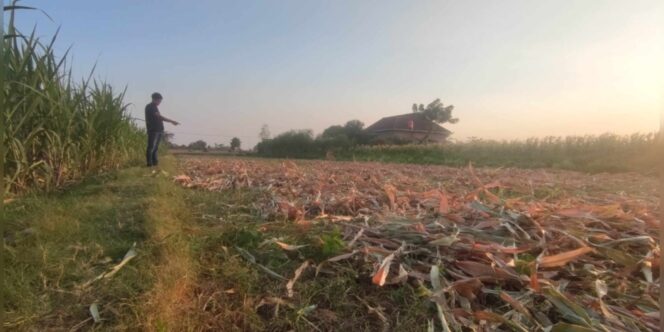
(403, 123)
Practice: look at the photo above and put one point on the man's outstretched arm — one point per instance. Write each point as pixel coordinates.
(167, 119)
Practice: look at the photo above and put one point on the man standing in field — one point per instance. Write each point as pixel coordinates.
(154, 122)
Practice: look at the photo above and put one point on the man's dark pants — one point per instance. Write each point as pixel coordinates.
(153, 145)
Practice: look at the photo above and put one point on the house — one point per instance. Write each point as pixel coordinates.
(406, 128)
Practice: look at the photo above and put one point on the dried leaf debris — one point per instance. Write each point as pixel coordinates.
(501, 249)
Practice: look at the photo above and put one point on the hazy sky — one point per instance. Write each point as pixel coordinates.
(512, 69)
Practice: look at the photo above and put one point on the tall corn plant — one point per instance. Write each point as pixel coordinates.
(57, 129)
(2, 122)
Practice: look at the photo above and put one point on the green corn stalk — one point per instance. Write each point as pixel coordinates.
(57, 130)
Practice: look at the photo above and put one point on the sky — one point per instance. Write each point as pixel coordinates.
(512, 69)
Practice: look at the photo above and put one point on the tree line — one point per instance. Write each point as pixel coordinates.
(340, 138)
(235, 145)
(302, 143)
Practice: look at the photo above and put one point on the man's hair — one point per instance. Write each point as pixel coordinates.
(157, 95)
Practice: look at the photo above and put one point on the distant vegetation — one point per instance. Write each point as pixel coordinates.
(202, 146)
(598, 153)
(198, 145)
(436, 112)
(603, 153)
(291, 144)
(302, 144)
(235, 144)
(57, 129)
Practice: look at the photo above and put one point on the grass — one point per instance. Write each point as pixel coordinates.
(56, 243)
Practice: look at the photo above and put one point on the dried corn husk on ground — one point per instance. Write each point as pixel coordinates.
(509, 249)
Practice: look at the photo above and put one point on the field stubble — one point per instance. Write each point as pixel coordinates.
(481, 248)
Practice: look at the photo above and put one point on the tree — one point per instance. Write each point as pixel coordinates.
(235, 144)
(168, 139)
(198, 145)
(265, 133)
(354, 125)
(351, 133)
(355, 131)
(333, 132)
(435, 112)
(291, 144)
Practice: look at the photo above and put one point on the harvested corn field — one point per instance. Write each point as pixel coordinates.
(484, 249)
